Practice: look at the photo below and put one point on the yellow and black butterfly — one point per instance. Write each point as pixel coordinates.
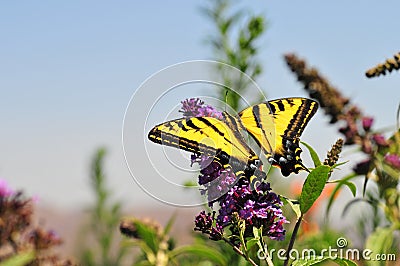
(275, 125)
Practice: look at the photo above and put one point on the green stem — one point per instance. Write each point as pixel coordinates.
(292, 239)
(235, 248)
(268, 258)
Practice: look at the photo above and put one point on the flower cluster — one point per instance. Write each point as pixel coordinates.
(357, 127)
(382, 162)
(17, 234)
(236, 198)
(257, 208)
(194, 107)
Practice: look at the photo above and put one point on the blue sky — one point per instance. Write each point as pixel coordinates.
(69, 68)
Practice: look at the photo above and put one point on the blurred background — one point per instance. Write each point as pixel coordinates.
(69, 68)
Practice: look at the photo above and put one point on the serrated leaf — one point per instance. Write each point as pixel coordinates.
(294, 205)
(203, 251)
(313, 186)
(313, 154)
(19, 259)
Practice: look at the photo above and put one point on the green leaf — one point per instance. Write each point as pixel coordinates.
(168, 227)
(341, 182)
(344, 262)
(251, 243)
(294, 204)
(19, 259)
(313, 186)
(189, 184)
(148, 235)
(380, 241)
(313, 154)
(202, 251)
(318, 259)
(257, 233)
(339, 164)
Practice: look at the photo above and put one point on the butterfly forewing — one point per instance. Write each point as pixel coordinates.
(206, 135)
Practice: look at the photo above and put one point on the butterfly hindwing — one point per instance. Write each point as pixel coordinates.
(277, 126)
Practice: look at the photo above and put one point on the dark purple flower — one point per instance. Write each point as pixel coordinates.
(380, 140)
(367, 123)
(257, 208)
(362, 168)
(216, 232)
(215, 179)
(393, 160)
(195, 107)
(204, 223)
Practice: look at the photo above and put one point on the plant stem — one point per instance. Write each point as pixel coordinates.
(292, 239)
(235, 248)
(268, 258)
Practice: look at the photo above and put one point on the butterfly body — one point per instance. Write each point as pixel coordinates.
(276, 127)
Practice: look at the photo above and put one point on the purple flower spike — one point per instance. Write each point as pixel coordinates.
(393, 160)
(195, 107)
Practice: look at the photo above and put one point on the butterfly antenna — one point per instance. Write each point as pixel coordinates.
(226, 98)
(304, 167)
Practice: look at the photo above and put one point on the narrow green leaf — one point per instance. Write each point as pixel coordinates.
(341, 182)
(203, 251)
(19, 259)
(313, 154)
(339, 164)
(313, 186)
(168, 227)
